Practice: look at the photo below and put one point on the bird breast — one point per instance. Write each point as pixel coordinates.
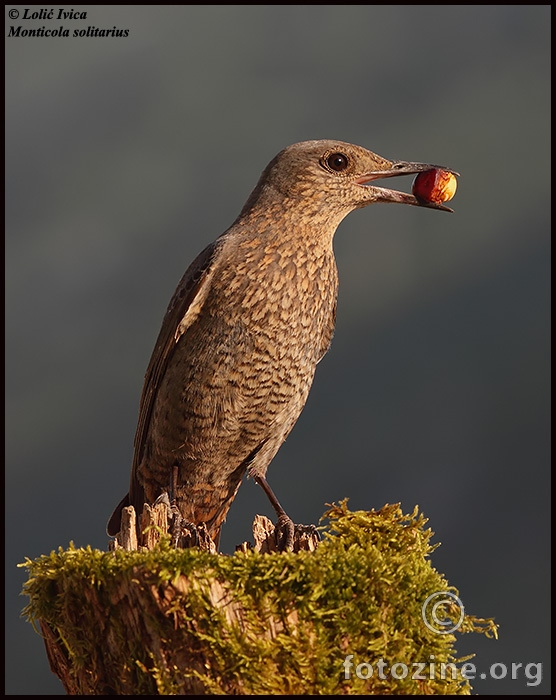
(283, 296)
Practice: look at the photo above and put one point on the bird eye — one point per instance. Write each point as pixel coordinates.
(337, 162)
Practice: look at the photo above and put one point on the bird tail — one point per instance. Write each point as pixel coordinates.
(115, 522)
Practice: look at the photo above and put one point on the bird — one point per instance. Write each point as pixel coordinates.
(250, 320)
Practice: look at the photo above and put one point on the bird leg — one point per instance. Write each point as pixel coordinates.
(178, 522)
(285, 529)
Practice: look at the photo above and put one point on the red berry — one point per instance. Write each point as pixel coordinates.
(435, 186)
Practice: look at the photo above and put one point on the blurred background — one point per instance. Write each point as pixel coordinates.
(126, 156)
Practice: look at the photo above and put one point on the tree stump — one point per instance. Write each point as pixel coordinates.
(172, 621)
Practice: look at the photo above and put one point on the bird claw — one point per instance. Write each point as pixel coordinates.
(163, 498)
(284, 534)
(307, 531)
(184, 533)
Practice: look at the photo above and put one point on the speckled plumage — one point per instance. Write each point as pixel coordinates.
(245, 329)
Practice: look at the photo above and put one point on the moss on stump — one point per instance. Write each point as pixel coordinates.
(185, 621)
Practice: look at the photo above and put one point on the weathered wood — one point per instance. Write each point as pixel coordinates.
(160, 519)
(128, 534)
(154, 522)
(58, 659)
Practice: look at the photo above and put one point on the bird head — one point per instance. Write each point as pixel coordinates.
(338, 175)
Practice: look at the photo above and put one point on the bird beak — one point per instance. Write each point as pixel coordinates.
(402, 168)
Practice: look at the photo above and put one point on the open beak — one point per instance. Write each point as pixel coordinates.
(402, 168)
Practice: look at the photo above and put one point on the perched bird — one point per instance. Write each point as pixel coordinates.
(245, 329)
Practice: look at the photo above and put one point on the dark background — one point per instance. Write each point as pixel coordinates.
(126, 156)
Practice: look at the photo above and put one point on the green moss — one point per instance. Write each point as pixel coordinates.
(149, 620)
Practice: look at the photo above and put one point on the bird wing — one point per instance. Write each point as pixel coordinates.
(183, 309)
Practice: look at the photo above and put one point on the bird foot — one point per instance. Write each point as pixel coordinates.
(290, 537)
(305, 533)
(284, 534)
(184, 533)
(287, 536)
